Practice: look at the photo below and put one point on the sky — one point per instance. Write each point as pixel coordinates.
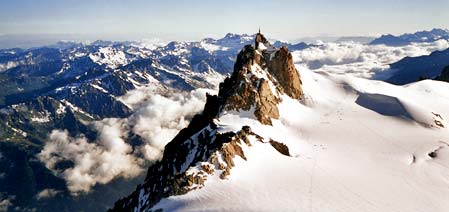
(195, 19)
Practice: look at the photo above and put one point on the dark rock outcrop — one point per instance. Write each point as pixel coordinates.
(280, 147)
(283, 69)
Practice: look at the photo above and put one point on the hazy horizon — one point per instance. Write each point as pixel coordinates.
(25, 23)
(38, 40)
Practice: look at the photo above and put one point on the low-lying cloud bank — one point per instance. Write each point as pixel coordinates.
(156, 118)
(361, 60)
(161, 118)
(98, 162)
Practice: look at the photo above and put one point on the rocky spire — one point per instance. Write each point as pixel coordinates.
(262, 76)
(261, 41)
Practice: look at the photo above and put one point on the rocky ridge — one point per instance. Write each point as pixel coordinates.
(262, 75)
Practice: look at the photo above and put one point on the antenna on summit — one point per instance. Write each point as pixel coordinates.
(258, 39)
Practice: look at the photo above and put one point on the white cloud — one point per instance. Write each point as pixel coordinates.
(135, 98)
(156, 118)
(161, 118)
(151, 43)
(99, 162)
(361, 60)
(47, 193)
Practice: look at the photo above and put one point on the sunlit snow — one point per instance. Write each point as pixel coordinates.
(347, 154)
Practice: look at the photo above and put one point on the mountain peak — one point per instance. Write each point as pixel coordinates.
(261, 75)
(232, 35)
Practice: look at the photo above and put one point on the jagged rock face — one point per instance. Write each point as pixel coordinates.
(259, 79)
(187, 167)
(260, 39)
(250, 85)
(242, 92)
(266, 108)
(283, 69)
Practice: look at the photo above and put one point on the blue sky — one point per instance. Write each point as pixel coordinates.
(184, 20)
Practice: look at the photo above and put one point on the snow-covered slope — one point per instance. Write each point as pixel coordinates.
(346, 155)
(346, 144)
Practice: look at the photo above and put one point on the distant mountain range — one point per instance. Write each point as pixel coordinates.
(417, 37)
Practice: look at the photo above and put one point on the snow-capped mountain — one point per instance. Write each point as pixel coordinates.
(417, 37)
(73, 87)
(272, 140)
(27, 74)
